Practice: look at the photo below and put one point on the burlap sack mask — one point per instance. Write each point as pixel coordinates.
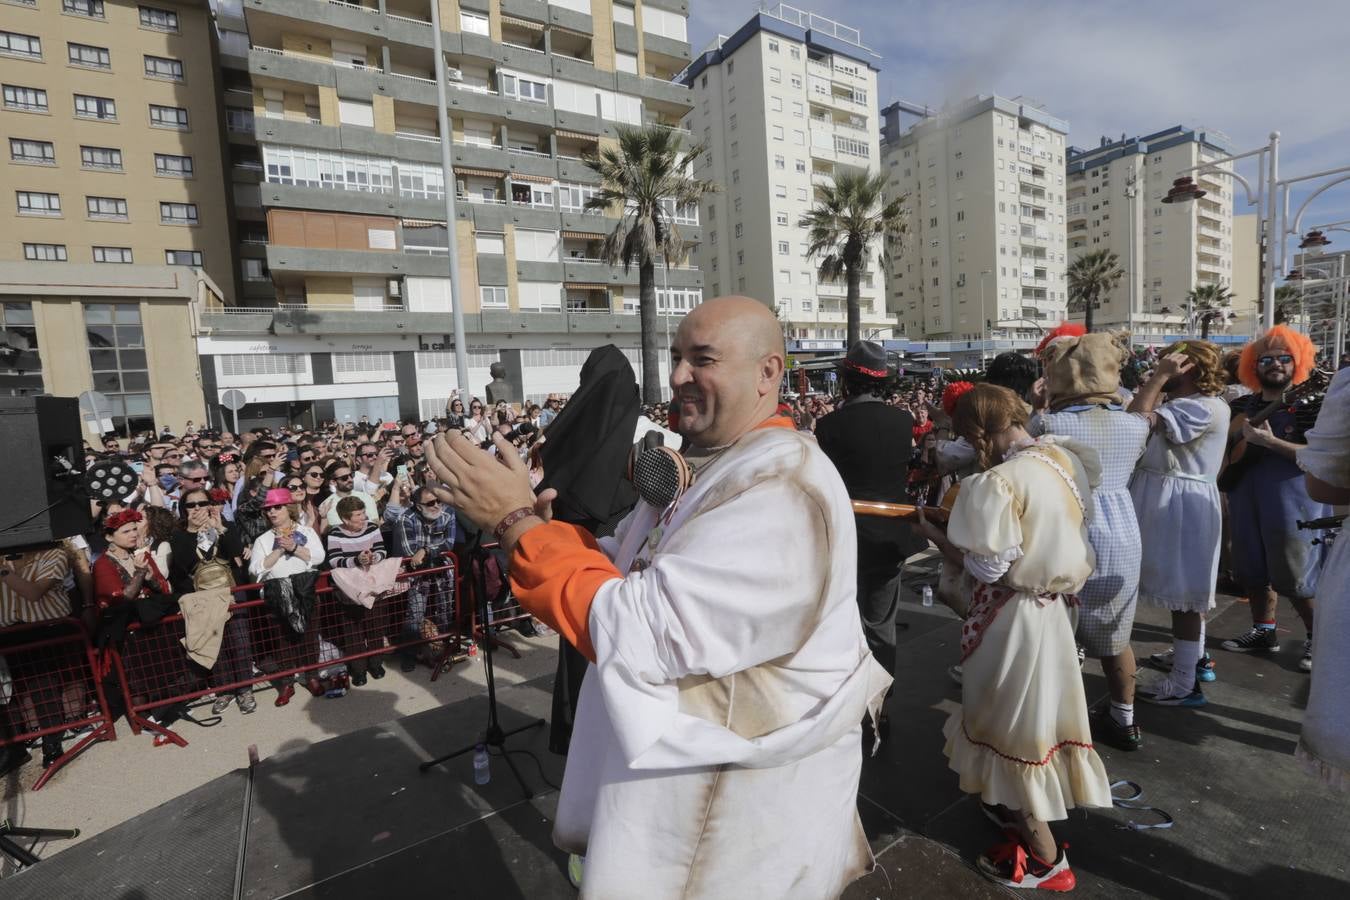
(1084, 370)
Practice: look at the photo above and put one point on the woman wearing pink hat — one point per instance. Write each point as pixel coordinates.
(287, 548)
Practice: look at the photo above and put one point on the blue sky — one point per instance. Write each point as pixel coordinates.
(1243, 67)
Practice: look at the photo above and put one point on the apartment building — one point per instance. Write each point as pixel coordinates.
(783, 105)
(116, 227)
(1115, 194)
(335, 152)
(984, 258)
(1321, 276)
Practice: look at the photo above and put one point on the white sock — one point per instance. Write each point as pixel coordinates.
(1123, 713)
(1185, 655)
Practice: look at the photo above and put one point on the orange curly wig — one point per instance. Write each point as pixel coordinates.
(1281, 337)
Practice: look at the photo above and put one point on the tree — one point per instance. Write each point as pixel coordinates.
(647, 177)
(1208, 303)
(847, 218)
(1286, 300)
(1091, 277)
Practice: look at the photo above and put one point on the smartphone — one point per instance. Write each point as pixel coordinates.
(402, 471)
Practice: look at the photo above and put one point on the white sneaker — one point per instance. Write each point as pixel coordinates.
(1305, 664)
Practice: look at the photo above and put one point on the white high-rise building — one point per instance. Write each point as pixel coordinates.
(1115, 202)
(782, 105)
(984, 258)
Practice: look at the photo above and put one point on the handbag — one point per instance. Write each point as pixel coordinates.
(212, 574)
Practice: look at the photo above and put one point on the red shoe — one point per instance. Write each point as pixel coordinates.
(284, 695)
(1012, 865)
(316, 687)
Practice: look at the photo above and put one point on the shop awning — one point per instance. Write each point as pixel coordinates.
(536, 179)
(585, 286)
(522, 23)
(577, 135)
(582, 235)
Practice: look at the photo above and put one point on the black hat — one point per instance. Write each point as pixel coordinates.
(868, 359)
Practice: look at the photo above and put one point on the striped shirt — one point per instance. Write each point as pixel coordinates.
(35, 567)
(344, 547)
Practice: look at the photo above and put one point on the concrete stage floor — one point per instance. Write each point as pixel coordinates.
(351, 817)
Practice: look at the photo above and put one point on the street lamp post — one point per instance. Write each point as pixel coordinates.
(448, 176)
(985, 317)
(1276, 224)
(1131, 191)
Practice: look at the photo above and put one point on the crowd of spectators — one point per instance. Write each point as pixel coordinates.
(215, 510)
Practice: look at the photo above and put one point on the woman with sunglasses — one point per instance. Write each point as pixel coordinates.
(455, 417)
(199, 545)
(316, 491)
(295, 484)
(477, 424)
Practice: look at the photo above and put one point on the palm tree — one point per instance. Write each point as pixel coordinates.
(1286, 300)
(646, 176)
(847, 218)
(1091, 277)
(1208, 303)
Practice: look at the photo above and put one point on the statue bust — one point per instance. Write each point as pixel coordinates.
(499, 388)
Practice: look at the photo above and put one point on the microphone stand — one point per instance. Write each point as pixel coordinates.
(494, 736)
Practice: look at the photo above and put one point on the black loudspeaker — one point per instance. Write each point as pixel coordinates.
(41, 471)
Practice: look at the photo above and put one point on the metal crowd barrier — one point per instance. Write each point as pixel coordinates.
(49, 684)
(256, 648)
(504, 610)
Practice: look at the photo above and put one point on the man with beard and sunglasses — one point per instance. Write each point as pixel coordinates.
(1271, 556)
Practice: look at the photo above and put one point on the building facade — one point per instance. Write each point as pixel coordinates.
(1115, 194)
(783, 105)
(335, 153)
(112, 138)
(116, 236)
(984, 258)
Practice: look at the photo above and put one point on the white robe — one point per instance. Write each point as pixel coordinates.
(717, 747)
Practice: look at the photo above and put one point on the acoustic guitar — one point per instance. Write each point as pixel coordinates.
(886, 510)
(1237, 459)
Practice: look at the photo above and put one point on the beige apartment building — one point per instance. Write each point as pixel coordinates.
(984, 258)
(335, 167)
(782, 105)
(1115, 202)
(118, 223)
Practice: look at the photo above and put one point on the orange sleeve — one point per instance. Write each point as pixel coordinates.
(556, 570)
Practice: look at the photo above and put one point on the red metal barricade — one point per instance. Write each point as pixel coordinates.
(257, 647)
(488, 570)
(49, 685)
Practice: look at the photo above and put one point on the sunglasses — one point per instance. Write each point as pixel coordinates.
(369, 454)
(347, 477)
(191, 477)
(1283, 359)
(297, 486)
(315, 474)
(198, 504)
(430, 503)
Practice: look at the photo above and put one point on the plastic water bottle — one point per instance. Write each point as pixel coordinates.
(482, 774)
(927, 595)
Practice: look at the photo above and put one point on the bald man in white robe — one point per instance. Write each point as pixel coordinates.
(717, 748)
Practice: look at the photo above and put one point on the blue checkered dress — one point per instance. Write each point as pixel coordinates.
(1108, 599)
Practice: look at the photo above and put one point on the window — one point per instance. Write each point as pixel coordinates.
(539, 296)
(26, 98)
(775, 104)
(794, 51)
(784, 276)
(796, 81)
(183, 258)
(798, 109)
(13, 44)
(91, 8)
(625, 62)
(773, 46)
(472, 23)
(799, 137)
(342, 171)
(22, 150)
(254, 270)
(106, 208)
(740, 230)
(44, 252)
(735, 176)
(112, 254)
(20, 370)
(174, 117)
(356, 112)
(173, 166)
(779, 162)
(573, 197)
(163, 67)
(86, 55)
(775, 75)
(157, 19)
(623, 14)
(492, 296)
(87, 107)
(34, 203)
(178, 213)
(776, 132)
(117, 358)
(518, 87)
(536, 246)
(780, 191)
(731, 120)
(106, 158)
(780, 218)
(783, 248)
(490, 242)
